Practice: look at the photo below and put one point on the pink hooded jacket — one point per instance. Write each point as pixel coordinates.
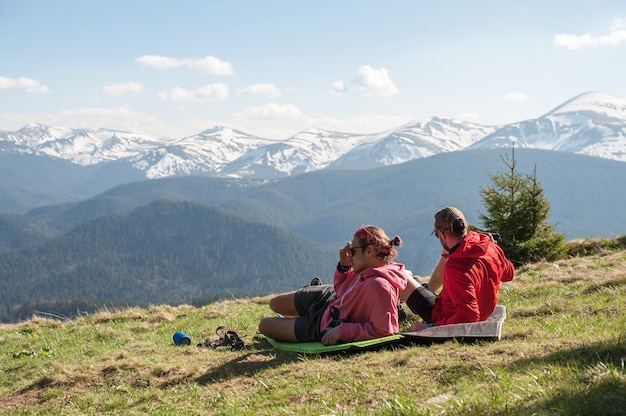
(471, 279)
(366, 302)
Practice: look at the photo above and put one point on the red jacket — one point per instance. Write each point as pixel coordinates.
(368, 301)
(471, 279)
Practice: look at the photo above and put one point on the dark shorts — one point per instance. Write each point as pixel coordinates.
(311, 302)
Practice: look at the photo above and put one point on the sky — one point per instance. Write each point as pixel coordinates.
(273, 68)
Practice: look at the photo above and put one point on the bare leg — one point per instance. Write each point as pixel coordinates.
(281, 329)
(284, 304)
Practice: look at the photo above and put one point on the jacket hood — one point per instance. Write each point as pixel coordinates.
(473, 245)
(394, 273)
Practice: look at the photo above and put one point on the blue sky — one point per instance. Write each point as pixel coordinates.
(274, 68)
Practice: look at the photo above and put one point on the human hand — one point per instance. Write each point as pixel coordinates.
(344, 255)
(331, 337)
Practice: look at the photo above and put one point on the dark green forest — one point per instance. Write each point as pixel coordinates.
(164, 252)
(19, 231)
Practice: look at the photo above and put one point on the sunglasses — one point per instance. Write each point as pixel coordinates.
(353, 249)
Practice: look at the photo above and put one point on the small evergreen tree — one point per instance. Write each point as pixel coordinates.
(518, 210)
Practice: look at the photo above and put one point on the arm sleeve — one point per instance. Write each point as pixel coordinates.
(340, 279)
(509, 270)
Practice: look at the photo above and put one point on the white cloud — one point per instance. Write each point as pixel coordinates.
(98, 112)
(212, 92)
(516, 96)
(159, 62)
(373, 82)
(208, 65)
(369, 81)
(123, 88)
(339, 88)
(211, 66)
(17, 119)
(271, 110)
(29, 85)
(615, 36)
(118, 118)
(270, 90)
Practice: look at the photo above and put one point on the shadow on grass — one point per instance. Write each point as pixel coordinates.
(245, 363)
(261, 355)
(601, 372)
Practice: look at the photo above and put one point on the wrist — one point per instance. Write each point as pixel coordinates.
(342, 269)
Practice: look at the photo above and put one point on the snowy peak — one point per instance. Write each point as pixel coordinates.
(205, 153)
(593, 103)
(80, 146)
(307, 151)
(445, 133)
(418, 139)
(592, 123)
(34, 135)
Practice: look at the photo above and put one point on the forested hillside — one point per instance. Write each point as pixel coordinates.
(326, 206)
(19, 231)
(164, 252)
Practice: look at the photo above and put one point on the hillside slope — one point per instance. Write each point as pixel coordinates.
(562, 352)
(164, 252)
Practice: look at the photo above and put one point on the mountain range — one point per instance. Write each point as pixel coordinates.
(103, 216)
(191, 238)
(592, 124)
(42, 165)
(326, 206)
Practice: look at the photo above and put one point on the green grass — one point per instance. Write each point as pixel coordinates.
(563, 351)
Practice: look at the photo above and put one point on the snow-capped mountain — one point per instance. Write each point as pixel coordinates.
(307, 151)
(205, 153)
(421, 138)
(80, 146)
(592, 123)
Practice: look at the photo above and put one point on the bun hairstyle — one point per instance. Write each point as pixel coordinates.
(458, 225)
(376, 237)
(450, 219)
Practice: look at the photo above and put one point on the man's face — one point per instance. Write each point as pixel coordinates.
(443, 240)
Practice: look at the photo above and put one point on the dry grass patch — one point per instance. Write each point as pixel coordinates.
(562, 352)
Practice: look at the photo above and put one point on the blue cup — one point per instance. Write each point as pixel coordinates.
(180, 338)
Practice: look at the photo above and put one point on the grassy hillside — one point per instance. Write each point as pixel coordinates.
(562, 352)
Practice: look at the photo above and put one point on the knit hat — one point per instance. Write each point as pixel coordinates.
(450, 219)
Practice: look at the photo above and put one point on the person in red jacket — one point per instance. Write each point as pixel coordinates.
(471, 267)
(361, 304)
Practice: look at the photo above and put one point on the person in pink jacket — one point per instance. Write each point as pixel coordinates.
(470, 270)
(361, 304)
